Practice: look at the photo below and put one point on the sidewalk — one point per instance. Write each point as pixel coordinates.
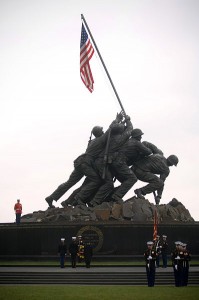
(94, 269)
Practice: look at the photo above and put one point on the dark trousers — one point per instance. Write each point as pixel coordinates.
(75, 177)
(178, 275)
(62, 260)
(154, 181)
(164, 259)
(94, 182)
(185, 276)
(106, 185)
(18, 218)
(150, 275)
(88, 261)
(157, 261)
(73, 260)
(125, 175)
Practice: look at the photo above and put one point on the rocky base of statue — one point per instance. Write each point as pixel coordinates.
(134, 210)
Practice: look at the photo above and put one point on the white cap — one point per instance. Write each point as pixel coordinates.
(164, 236)
(149, 243)
(62, 239)
(74, 238)
(178, 243)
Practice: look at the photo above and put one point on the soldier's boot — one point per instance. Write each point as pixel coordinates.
(68, 202)
(157, 200)
(93, 203)
(117, 199)
(78, 201)
(49, 200)
(139, 194)
(65, 203)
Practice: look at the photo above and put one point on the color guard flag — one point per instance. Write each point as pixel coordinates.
(86, 53)
(155, 225)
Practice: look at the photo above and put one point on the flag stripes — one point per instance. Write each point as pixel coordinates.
(86, 53)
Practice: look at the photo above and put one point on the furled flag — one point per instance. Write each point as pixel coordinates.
(86, 53)
(155, 225)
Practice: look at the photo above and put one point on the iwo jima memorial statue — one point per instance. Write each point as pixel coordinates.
(96, 210)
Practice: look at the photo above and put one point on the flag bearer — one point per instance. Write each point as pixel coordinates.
(150, 256)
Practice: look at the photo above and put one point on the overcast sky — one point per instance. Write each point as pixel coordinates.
(150, 48)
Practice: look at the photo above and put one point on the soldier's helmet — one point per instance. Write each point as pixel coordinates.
(117, 128)
(173, 160)
(136, 132)
(97, 131)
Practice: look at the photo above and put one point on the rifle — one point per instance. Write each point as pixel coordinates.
(106, 154)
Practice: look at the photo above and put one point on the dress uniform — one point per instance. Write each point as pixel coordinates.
(18, 211)
(157, 248)
(62, 250)
(164, 249)
(177, 257)
(73, 250)
(187, 258)
(150, 256)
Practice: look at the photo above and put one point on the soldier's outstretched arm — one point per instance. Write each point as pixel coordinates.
(153, 148)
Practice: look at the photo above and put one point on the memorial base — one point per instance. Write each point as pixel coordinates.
(107, 238)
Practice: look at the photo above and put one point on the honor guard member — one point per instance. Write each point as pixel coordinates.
(150, 256)
(164, 249)
(62, 250)
(18, 211)
(187, 258)
(177, 257)
(157, 247)
(73, 250)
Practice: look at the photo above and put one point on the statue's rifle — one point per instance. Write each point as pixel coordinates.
(106, 155)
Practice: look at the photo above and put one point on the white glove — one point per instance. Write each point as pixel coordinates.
(148, 265)
(150, 257)
(176, 267)
(178, 257)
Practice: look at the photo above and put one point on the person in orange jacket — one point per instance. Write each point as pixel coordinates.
(18, 211)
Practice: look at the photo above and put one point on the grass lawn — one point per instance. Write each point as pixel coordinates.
(55, 292)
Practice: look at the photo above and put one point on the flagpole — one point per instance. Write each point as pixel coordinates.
(107, 73)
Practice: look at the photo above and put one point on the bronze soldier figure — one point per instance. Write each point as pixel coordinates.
(146, 170)
(119, 136)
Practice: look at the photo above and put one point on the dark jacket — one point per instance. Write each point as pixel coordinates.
(73, 248)
(62, 249)
(88, 251)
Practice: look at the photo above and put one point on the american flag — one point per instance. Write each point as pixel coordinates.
(155, 225)
(86, 53)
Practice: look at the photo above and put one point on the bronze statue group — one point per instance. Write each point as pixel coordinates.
(118, 154)
(180, 258)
